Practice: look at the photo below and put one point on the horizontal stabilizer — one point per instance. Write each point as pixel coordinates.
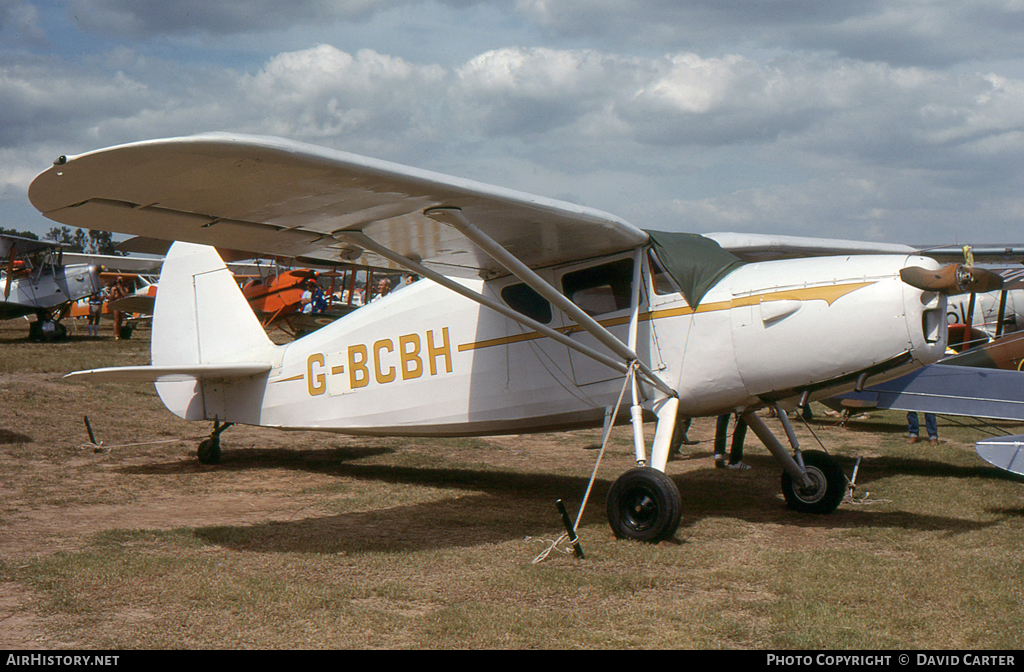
(135, 303)
(950, 390)
(1005, 452)
(151, 374)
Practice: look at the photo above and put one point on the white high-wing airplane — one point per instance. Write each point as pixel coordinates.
(542, 316)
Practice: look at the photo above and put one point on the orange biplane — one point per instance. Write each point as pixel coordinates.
(277, 298)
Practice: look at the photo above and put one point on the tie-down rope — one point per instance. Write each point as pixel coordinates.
(553, 545)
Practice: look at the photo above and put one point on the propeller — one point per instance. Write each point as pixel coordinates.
(952, 279)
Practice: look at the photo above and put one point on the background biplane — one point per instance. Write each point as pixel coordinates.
(980, 317)
(275, 287)
(542, 315)
(36, 281)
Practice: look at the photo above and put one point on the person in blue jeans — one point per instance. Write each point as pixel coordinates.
(930, 425)
(739, 433)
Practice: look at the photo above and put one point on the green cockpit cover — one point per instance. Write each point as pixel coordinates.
(696, 263)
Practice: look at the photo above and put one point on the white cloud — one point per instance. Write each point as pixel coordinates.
(683, 139)
(515, 90)
(324, 93)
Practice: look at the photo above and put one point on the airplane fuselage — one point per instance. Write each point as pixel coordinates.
(986, 311)
(424, 361)
(48, 287)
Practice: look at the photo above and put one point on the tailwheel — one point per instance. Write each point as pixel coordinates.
(644, 505)
(209, 451)
(827, 487)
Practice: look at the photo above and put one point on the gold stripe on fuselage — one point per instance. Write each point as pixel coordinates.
(827, 293)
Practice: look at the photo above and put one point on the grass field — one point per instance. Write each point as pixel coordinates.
(309, 540)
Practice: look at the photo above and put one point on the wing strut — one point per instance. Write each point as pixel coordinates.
(365, 242)
(454, 218)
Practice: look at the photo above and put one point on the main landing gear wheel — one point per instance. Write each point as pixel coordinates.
(209, 451)
(644, 505)
(827, 489)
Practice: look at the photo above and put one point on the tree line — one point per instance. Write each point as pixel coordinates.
(79, 240)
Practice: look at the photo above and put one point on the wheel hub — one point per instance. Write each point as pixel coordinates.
(816, 490)
(641, 510)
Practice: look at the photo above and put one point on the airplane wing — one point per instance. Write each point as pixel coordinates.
(149, 374)
(24, 245)
(134, 303)
(115, 263)
(1013, 278)
(766, 247)
(1005, 452)
(277, 197)
(950, 390)
(988, 254)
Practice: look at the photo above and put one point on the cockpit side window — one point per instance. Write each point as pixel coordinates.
(525, 300)
(662, 281)
(601, 289)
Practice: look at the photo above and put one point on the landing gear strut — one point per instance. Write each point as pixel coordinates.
(209, 449)
(812, 481)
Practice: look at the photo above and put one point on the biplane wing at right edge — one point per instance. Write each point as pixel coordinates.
(982, 382)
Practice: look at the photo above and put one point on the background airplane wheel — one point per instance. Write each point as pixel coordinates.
(827, 490)
(209, 451)
(644, 505)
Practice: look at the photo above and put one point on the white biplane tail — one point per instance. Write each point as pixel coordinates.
(205, 336)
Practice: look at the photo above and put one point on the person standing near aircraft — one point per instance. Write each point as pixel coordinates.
(931, 426)
(736, 450)
(312, 300)
(118, 290)
(95, 312)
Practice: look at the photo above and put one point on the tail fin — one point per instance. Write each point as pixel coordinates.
(200, 318)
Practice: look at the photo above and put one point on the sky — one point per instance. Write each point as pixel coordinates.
(882, 120)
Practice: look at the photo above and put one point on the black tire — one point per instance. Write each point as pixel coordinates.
(828, 489)
(209, 451)
(37, 335)
(644, 505)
